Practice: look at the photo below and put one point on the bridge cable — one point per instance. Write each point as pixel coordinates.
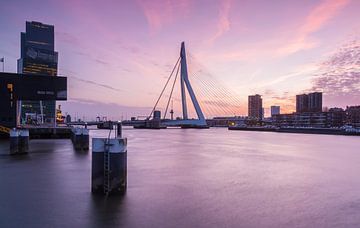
(172, 89)
(152, 111)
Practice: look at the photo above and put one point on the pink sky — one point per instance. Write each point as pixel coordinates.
(118, 54)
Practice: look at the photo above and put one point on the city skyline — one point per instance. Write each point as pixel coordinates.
(107, 45)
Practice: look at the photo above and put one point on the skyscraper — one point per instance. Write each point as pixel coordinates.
(275, 110)
(315, 102)
(38, 56)
(302, 103)
(255, 109)
(311, 102)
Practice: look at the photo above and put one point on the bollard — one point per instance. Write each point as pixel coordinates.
(19, 141)
(14, 141)
(109, 166)
(23, 141)
(80, 138)
(119, 129)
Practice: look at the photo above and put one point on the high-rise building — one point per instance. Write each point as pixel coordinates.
(255, 109)
(275, 110)
(302, 103)
(38, 56)
(315, 102)
(311, 102)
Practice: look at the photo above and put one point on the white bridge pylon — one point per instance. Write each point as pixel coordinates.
(186, 86)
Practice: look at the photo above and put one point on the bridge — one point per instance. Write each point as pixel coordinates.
(216, 99)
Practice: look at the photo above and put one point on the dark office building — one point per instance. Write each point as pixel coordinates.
(15, 87)
(302, 103)
(38, 57)
(311, 102)
(255, 109)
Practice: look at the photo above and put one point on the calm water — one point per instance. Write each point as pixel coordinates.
(190, 178)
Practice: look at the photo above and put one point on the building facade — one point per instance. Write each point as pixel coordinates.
(332, 118)
(302, 103)
(275, 110)
(38, 56)
(255, 108)
(315, 102)
(311, 102)
(353, 115)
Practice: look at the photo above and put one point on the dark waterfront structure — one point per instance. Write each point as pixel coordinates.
(225, 121)
(14, 87)
(353, 115)
(38, 56)
(311, 102)
(255, 109)
(275, 110)
(335, 117)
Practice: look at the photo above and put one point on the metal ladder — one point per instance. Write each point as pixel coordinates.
(107, 167)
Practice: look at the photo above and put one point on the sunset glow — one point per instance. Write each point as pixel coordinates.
(118, 54)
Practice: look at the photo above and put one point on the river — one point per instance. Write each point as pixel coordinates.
(189, 178)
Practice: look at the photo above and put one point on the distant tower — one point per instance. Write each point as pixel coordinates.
(255, 109)
(172, 110)
(302, 103)
(315, 102)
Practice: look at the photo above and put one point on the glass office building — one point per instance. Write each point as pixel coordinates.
(38, 56)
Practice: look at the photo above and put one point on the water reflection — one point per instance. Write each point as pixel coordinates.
(189, 178)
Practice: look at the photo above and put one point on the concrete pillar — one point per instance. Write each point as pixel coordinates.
(80, 138)
(119, 129)
(19, 141)
(14, 141)
(109, 166)
(23, 141)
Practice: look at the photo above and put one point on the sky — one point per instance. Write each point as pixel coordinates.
(117, 55)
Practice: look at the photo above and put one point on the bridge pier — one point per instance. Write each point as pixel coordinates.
(119, 129)
(109, 164)
(19, 141)
(80, 138)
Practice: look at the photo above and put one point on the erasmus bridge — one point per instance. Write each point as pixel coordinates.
(199, 92)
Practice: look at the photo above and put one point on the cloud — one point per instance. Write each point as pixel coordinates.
(159, 13)
(223, 24)
(339, 76)
(67, 38)
(96, 83)
(300, 71)
(314, 21)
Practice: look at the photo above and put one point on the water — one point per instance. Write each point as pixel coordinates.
(190, 178)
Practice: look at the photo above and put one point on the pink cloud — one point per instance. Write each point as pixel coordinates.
(223, 24)
(315, 20)
(159, 13)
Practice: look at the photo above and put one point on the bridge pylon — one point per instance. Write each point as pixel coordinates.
(186, 86)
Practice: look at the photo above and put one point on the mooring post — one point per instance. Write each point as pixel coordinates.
(14, 141)
(109, 165)
(119, 129)
(19, 141)
(23, 141)
(80, 138)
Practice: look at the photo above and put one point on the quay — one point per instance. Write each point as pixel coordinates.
(50, 132)
(325, 131)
